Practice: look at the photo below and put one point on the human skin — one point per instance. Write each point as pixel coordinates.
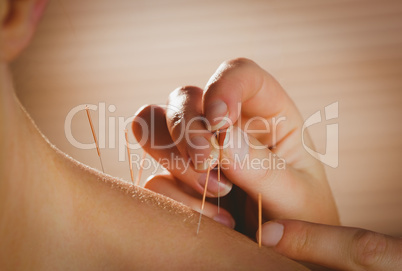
(335, 247)
(56, 213)
(253, 102)
(332, 246)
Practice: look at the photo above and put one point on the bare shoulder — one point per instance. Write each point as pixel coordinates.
(65, 214)
(142, 229)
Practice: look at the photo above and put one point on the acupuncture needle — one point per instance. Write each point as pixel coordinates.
(94, 135)
(144, 154)
(219, 175)
(129, 157)
(205, 193)
(259, 219)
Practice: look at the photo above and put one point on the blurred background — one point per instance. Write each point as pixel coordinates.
(122, 54)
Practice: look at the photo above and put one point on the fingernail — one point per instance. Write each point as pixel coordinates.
(199, 151)
(203, 153)
(225, 220)
(272, 233)
(217, 114)
(214, 187)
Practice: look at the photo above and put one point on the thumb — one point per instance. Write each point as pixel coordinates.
(287, 192)
(333, 246)
(255, 169)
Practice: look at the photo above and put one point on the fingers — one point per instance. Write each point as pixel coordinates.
(168, 186)
(151, 131)
(333, 246)
(242, 93)
(187, 128)
(286, 193)
(251, 169)
(242, 81)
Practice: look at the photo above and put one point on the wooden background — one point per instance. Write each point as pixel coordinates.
(129, 53)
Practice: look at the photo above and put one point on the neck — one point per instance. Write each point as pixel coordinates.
(38, 186)
(30, 183)
(23, 147)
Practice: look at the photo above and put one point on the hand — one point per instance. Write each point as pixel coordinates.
(240, 96)
(333, 246)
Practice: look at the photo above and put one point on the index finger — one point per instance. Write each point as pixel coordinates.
(241, 89)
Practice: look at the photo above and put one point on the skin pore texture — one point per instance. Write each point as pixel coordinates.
(56, 213)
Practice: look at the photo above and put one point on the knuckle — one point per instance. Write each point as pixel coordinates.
(144, 110)
(238, 67)
(181, 109)
(175, 110)
(301, 245)
(176, 120)
(142, 118)
(184, 90)
(368, 248)
(226, 68)
(239, 62)
(178, 125)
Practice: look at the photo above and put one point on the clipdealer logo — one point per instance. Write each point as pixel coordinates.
(108, 124)
(331, 155)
